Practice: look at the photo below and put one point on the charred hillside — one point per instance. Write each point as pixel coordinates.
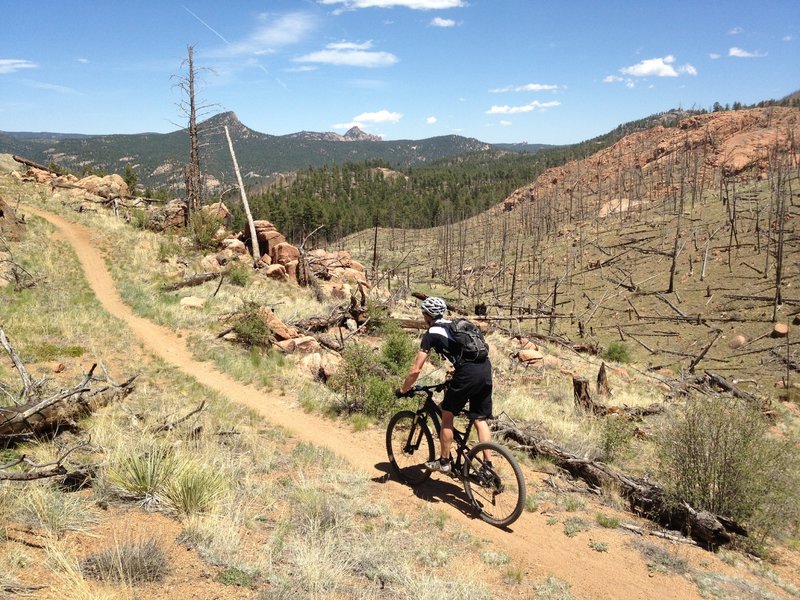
(679, 242)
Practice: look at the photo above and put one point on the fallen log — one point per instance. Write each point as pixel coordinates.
(61, 410)
(645, 498)
(192, 281)
(30, 163)
(33, 415)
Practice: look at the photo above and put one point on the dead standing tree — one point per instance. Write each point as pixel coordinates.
(192, 174)
(250, 223)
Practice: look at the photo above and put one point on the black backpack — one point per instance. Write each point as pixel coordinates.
(468, 342)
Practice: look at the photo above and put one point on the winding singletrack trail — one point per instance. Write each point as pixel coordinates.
(539, 550)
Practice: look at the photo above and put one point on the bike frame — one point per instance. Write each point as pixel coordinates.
(430, 409)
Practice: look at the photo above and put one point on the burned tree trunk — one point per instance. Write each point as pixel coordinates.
(645, 498)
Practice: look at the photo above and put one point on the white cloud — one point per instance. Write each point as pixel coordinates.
(431, 120)
(301, 69)
(440, 22)
(381, 116)
(713, 56)
(52, 87)
(612, 79)
(735, 31)
(658, 67)
(528, 87)
(273, 34)
(350, 55)
(505, 123)
(83, 61)
(739, 53)
(412, 4)
(788, 38)
(11, 65)
(512, 110)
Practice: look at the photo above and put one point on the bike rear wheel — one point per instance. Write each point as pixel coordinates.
(409, 445)
(497, 492)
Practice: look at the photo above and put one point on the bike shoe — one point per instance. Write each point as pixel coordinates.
(439, 466)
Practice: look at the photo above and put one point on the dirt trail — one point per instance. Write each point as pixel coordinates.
(538, 549)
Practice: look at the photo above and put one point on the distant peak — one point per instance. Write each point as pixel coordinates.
(228, 118)
(355, 134)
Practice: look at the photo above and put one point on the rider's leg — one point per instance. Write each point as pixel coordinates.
(446, 434)
(484, 435)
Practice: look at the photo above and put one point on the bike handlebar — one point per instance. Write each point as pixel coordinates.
(427, 389)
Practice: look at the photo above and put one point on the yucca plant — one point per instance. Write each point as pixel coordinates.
(195, 488)
(144, 474)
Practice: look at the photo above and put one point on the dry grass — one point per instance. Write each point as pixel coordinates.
(303, 506)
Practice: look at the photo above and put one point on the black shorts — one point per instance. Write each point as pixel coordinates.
(470, 383)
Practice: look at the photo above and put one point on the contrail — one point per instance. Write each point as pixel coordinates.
(214, 31)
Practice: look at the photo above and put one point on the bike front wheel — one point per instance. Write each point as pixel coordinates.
(409, 445)
(498, 492)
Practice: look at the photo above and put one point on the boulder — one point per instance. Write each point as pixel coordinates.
(304, 345)
(321, 366)
(106, 187)
(10, 229)
(210, 264)
(234, 245)
(192, 302)
(267, 235)
(217, 211)
(737, 341)
(530, 355)
(276, 272)
(284, 253)
(275, 325)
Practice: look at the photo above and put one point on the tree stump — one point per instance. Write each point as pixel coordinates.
(780, 330)
(583, 399)
(603, 388)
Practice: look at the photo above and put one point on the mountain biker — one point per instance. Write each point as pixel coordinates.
(471, 382)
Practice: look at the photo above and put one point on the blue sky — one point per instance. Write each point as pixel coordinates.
(496, 70)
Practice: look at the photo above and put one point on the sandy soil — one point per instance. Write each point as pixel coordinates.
(541, 550)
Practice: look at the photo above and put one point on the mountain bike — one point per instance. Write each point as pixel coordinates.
(497, 492)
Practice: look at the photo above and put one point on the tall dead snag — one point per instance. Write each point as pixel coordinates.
(192, 175)
(251, 224)
(645, 498)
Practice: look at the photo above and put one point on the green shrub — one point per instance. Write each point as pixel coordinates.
(45, 351)
(251, 329)
(398, 352)
(202, 230)
(130, 563)
(617, 434)
(717, 455)
(141, 219)
(606, 521)
(617, 352)
(363, 382)
(234, 576)
(240, 275)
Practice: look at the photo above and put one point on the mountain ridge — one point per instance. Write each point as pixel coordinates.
(158, 158)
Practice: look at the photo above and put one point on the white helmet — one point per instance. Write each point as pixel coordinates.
(435, 307)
